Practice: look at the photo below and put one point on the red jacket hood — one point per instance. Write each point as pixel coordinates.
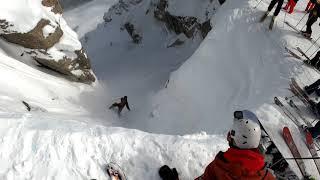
(250, 160)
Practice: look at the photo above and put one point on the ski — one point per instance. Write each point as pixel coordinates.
(307, 62)
(271, 23)
(286, 112)
(299, 32)
(299, 112)
(304, 54)
(312, 148)
(303, 96)
(293, 54)
(294, 150)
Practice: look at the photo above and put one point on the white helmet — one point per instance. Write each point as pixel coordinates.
(246, 131)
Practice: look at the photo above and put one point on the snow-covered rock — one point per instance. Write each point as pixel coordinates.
(40, 31)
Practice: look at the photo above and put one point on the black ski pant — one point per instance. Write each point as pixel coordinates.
(315, 61)
(311, 88)
(278, 8)
(315, 131)
(312, 19)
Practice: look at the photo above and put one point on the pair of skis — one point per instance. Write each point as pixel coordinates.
(291, 144)
(300, 33)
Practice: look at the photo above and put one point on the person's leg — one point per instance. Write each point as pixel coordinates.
(276, 12)
(308, 6)
(292, 5)
(271, 5)
(113, 105)
(312, 19)
(287, 5)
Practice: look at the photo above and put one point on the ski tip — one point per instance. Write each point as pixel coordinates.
(309, 138)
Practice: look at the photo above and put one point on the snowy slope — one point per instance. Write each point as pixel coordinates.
(70, 135)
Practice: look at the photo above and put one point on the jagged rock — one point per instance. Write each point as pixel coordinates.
(46, 38)
(136, 38)
(205, 28)
(180, 24)
(57, 9)
(35, 39)
(78, 69)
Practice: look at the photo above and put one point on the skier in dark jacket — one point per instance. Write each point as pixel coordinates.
(276, 12)
(315, 61)
(290, 5)
(313, 17)
(121, 105)
(315, 131)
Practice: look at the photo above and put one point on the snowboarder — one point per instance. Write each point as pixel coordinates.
(313, 17)
(242, 160)
(310, 6)
(120, 106)
(276, 12)
(290, 5)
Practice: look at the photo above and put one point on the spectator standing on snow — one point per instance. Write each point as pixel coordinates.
(121, 105)
(276, 12)
(313, 17)
(290, 5)
(243, 159)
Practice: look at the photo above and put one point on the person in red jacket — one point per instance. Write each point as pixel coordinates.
(290, 5)
(310, 6)
(242, 161)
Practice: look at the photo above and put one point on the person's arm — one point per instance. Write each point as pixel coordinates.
(127, 105)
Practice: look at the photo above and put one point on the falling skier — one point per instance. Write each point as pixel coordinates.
(243, 159)
(120, 106)
(276, 12)
(313, 17)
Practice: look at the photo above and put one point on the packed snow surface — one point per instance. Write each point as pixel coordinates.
(70, 134)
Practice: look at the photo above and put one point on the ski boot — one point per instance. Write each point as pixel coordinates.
(168, 174)
(264, 16)
(306, 34)
(272, 22)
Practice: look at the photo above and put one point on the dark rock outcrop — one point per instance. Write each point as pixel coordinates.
(35, 39)
(78, 69)
(180, 24)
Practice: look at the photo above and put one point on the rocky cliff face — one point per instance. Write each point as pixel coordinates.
(185, 17)
(45, 37)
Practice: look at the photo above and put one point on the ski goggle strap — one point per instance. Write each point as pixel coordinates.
(246, 114)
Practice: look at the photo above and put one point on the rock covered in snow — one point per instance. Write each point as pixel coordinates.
(40, 30)
(180, 16)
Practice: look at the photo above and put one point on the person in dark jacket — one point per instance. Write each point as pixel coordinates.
(121, 105)
(290, 5)
(276, 12)
(313, 17)
(242, 161)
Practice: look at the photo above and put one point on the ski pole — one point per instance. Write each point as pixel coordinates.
(301, 19)
(303, 158)
(313, 44)
(257, 4)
